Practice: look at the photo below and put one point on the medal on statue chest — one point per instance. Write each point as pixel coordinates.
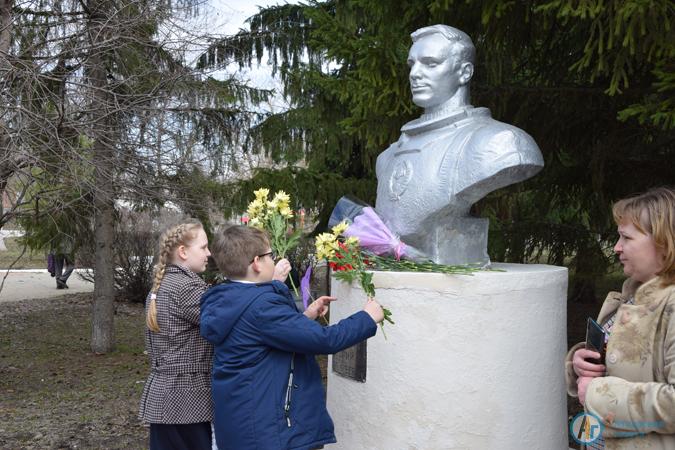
(400, 178)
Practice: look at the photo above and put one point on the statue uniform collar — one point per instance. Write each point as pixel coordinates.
(442, 118)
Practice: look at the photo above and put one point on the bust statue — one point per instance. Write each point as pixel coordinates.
(450, 157)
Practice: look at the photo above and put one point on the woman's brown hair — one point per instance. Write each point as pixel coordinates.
(170, 240)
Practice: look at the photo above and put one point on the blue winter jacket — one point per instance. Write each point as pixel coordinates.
(256, 329)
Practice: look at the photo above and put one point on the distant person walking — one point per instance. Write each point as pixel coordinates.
(63, 253)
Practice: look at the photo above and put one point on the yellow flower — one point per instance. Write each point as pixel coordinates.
(255, 208)
(282, 198)
(334, 247)
(256, 223)
(280, 204)
(286, 212)
(340, 228)
(325, 245)
(352, 240)
(261, 194)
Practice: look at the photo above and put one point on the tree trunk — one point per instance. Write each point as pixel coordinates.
(102, 329)
(6, 157)
(5, 30)
(102, 332)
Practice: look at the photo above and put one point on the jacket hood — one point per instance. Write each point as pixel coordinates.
(222, 305)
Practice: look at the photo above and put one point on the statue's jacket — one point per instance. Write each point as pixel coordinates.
(636, 400)
(442, 164)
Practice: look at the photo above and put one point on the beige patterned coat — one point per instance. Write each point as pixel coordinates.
(636, 400)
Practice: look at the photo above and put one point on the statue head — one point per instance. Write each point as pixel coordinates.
(441, 66)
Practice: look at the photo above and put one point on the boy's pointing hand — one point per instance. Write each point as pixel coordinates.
(319, 307)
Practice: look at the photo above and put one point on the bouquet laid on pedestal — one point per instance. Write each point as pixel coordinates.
(345, 258)
(361, 242)
(374, 236)
(386, 251)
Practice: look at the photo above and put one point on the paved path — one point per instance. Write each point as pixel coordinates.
(27, 284)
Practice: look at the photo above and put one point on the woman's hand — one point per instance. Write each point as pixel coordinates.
(318, 307)
(585, 368)
(281, 270)
(582, 387)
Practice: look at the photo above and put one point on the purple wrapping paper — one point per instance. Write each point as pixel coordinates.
(304, 287)
(374, 235)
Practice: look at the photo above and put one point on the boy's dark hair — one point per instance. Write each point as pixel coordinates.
(235, 247)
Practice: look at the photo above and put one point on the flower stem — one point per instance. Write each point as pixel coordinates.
(295, 289)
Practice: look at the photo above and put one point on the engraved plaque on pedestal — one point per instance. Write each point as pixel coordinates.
(351, 362)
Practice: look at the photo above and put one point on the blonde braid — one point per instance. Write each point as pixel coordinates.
(170, 239)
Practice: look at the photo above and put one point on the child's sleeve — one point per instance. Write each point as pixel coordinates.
(190, 299)
(282, 327)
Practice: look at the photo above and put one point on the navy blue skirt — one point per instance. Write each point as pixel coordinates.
(191, 436)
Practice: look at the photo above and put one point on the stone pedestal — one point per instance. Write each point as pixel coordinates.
(473, 362)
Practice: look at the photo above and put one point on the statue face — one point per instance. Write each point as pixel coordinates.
(435, 73)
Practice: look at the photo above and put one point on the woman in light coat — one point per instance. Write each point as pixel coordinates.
(633, 393)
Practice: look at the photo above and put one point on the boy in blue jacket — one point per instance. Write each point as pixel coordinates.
(267, 389)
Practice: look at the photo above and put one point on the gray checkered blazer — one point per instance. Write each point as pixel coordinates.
(178, 390)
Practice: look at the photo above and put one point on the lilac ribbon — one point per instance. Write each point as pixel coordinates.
(400, 250)
(304, 287)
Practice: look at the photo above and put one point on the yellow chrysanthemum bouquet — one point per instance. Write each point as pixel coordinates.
(276, 218)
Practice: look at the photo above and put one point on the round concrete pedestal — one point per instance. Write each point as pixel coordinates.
(473, 362)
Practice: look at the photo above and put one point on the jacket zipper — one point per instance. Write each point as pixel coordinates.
(289, 390)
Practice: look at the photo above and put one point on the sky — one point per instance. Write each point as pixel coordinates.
(234, 12)
(229, 18)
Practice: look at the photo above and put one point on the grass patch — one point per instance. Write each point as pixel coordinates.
(29, 260)
(54, 393)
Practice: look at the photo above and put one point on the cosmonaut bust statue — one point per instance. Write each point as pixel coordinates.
(450, 157)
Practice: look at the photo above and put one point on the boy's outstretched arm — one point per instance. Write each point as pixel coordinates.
(319, 307)
(282, 327)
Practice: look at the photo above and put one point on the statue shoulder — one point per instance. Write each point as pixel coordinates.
(495, 155)
(499, 141)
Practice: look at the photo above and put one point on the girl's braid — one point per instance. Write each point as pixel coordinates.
(170, 239)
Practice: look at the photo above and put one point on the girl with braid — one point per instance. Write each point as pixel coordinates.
(176, 400)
